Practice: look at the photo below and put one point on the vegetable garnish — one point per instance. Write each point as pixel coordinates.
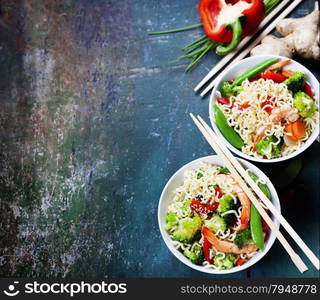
(203, 208)
(274, 76)
(227, 131)
(237, 19)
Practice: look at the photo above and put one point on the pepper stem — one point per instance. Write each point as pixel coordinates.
(237, 31)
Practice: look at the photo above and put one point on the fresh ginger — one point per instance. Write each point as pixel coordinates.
(301, 36)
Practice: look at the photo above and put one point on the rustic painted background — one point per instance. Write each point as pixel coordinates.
(93, 123)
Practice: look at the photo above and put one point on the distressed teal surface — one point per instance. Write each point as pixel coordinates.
(93, 124)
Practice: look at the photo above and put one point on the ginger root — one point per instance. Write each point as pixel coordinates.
(301, 37)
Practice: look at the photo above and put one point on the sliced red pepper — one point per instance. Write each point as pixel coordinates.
(206, 249)
(239, 262)
(224, 101)
(266, 107)
(202, 208)
(218, 193)
(209, 11)
(308, 90)
(274, 76)
(244, 106)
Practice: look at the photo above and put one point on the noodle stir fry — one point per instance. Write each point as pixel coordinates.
(269, 116)
(209, 219)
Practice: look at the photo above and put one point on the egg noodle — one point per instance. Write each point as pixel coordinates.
(247, 121)
(195, 187)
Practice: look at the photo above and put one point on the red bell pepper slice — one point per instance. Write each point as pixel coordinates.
(239, 262)
(266, 107)
(202, 208)
(274, 76)
(209, 11)
(206, 249)
(308, 90)
(244, 106)
(218, 192)
(224, 101)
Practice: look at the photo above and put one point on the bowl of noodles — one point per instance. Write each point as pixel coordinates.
(266, 108)
(207, 223)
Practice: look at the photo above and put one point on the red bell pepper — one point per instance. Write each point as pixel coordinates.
(244, 106)
(308, 90)
(206, 249)
(218, 192)
(213, 12)
(239, 262)
(274, 76)
(202, 208)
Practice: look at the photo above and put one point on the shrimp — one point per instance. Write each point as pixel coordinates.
(278, 114)
(226, 247)
(244, 200)
(285, 112)
(278, 65)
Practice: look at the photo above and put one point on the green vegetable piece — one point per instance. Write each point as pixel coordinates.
(265, 148)
(304, 104)
(224, 171)
(227, 90)
(199, 175)
(236, 28)
(187, 229)
(296, 82)
(196, 255)
(254, 71)
(225, 263)
(243, 237)
(186, 208)
(216, 223)
(256, 228)
(263, 187)
(171, 220)
(227, 131)
(225, 203)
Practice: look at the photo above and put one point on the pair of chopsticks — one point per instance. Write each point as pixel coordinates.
(243, 179)
(248, 48)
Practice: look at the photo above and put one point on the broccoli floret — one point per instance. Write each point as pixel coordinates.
(296, 82)
(196, 255)
(265, 148)
(304, 104)
(226, 203)
(243, 237)
(187, 229)
(224, 263)
(216, 223)
(171, 220)
(227, 90)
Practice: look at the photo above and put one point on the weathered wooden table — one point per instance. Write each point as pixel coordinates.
(93, 123)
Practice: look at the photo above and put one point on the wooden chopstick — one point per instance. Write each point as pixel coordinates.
(311, 256)
(228, 57)
(247, 49)
(212, 141)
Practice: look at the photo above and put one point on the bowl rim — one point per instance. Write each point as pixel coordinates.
(304, 147)
(168, 241)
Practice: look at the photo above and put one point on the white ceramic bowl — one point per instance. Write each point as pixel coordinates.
(236, 69)
(166, 199)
